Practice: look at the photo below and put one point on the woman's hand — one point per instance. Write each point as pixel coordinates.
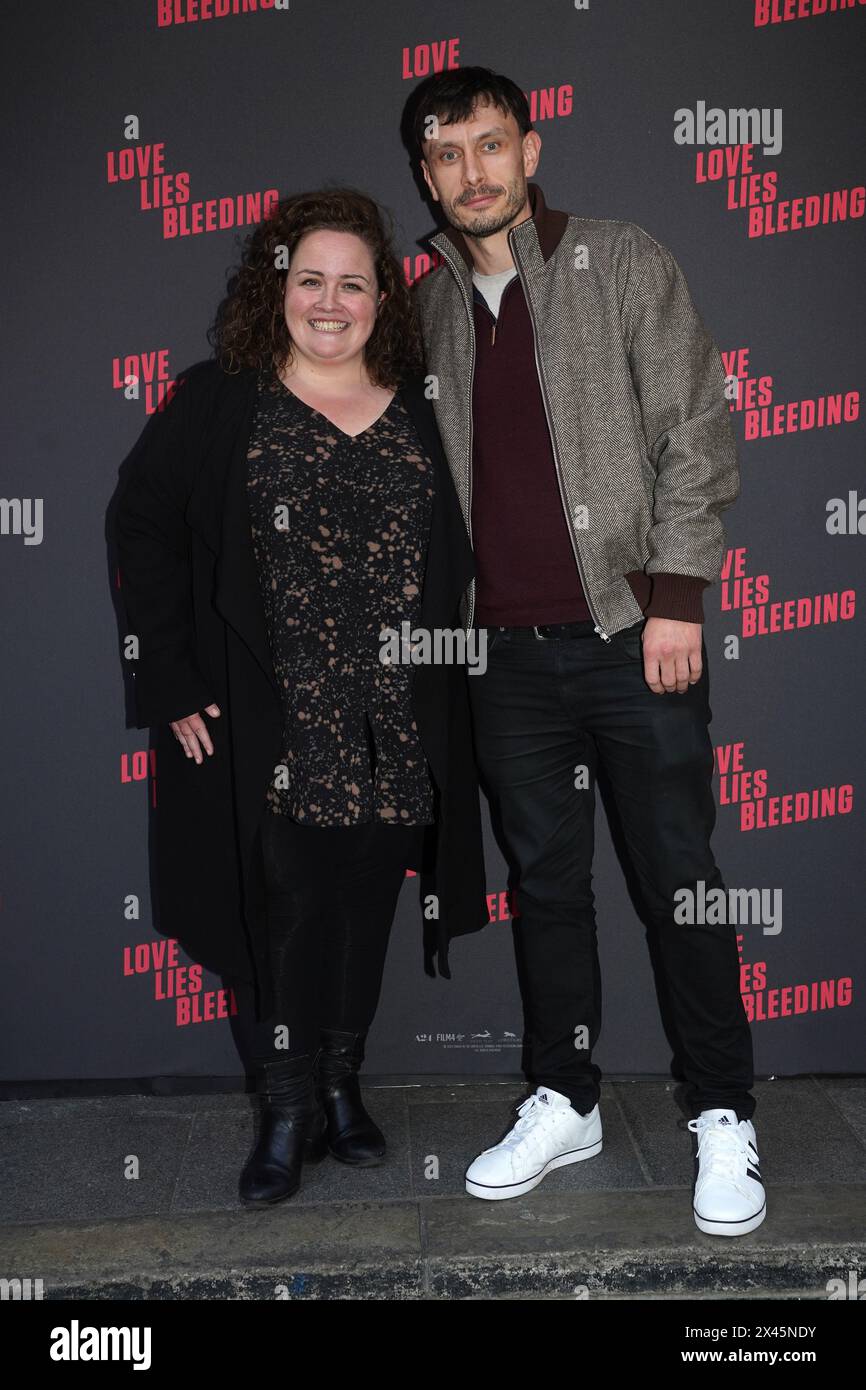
(192, 735)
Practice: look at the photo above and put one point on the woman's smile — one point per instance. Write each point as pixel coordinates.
(328, 325)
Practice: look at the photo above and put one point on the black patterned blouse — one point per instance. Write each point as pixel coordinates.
(340, 526)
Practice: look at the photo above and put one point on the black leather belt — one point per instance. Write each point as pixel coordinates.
(547, 631)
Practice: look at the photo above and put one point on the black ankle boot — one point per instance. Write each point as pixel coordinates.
(353, 1137)
(292, 1131)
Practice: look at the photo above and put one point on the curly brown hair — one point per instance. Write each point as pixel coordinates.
(250, 328)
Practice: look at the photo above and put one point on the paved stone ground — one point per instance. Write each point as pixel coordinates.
(618, 1225)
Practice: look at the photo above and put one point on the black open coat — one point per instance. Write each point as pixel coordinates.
(190, 588)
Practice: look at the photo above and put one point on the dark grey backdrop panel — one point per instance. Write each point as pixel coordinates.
(289, 100)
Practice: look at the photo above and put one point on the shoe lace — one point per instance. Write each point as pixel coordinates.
(721, 1148)
(531, 1112)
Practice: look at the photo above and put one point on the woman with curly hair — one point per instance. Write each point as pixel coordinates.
(287, 514)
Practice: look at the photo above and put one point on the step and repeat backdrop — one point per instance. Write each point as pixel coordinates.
(143, 141)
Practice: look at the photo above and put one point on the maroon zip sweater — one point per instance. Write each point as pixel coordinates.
(526, 572)
(525, 567)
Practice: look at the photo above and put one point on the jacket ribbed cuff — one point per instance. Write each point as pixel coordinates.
(676, 596)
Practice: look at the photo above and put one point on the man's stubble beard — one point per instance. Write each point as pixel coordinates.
(516, 198)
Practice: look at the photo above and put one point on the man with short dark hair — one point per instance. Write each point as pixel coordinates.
(582, 406)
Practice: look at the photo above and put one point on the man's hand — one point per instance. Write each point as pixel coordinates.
(671, 655)
(192, 735)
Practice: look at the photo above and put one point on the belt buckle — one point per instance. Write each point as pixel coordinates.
(540, 635)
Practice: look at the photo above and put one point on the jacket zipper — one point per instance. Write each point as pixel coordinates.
(540, 369)
(597, 626)
(471, 613)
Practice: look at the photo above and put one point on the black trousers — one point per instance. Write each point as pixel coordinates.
(542, 710)
(331, 896)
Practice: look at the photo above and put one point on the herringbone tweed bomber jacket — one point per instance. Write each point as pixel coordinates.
(634, 392)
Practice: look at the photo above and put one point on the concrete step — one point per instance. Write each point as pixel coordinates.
(588, 1245)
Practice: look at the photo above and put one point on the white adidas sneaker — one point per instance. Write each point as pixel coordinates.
(549, 1134)
(729, 1198)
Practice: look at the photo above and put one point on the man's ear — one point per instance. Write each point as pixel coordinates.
(425, 170)
(531, 152)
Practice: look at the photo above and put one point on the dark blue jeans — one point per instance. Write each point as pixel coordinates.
(543, 709)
